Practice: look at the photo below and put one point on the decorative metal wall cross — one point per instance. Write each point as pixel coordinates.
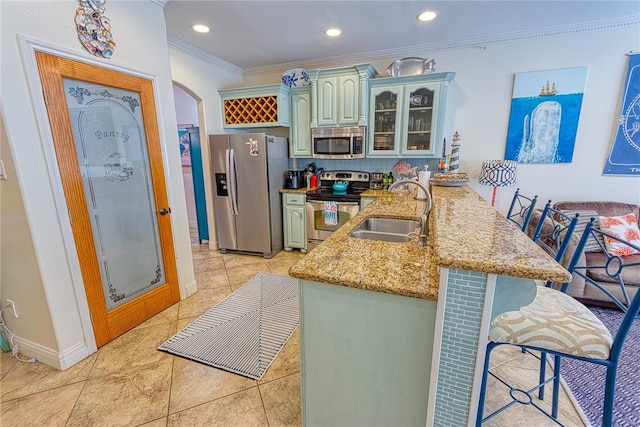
(94, 29)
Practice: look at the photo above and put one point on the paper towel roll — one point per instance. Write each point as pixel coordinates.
(423, 177)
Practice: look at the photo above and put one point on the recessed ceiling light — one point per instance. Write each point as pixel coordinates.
(333, 32)
(427, 15)
(200, 28)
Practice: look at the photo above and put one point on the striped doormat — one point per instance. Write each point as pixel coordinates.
(244, 332)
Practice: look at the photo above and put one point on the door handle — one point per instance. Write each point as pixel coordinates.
(164, 211)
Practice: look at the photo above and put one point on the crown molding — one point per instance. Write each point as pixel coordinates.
(203, 55)
(424, 49)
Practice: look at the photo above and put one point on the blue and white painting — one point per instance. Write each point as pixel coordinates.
(624, 158)
(545, 109)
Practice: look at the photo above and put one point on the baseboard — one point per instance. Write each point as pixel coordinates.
(50, 357)
(191, 288)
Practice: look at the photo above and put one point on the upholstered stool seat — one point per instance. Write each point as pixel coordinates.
(554, 321)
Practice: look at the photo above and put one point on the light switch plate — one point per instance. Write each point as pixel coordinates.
(3, 174)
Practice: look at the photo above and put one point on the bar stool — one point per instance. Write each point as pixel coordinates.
(564, 327)
(521, 210)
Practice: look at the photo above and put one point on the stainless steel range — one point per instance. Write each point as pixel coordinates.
(330, 206)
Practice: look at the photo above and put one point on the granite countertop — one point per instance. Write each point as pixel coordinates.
(390, 267)
(302, 190)
(465, 233)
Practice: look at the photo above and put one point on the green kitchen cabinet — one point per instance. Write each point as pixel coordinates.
(300, 129)
(407, 115)
(366, 356)
(295, 231)
(364, 201)
(340, 96)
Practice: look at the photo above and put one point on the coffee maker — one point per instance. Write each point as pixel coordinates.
(294, 179)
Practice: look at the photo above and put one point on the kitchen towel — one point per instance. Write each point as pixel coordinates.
(330, 210)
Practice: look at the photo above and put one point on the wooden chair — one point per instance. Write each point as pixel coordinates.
(557, 317)
(521, 210)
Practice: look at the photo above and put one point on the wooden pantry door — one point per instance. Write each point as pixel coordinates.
(106, 138)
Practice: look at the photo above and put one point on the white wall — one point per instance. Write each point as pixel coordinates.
(187, 116)
(202, 78)
(56, 336)
(480, 100)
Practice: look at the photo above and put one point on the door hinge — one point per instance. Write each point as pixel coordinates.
(46, 101)
(70, 218)
(91, 317)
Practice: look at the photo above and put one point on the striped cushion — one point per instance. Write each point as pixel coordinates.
(584, 218)
(554, 321)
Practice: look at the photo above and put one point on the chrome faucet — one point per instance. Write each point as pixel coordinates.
(424, 231)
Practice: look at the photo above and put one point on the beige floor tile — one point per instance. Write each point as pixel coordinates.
(242, 409)
(198, 303)
(212, 280)
(209, 265)
(133, 351)
(7, 361)
(49, 408)
(281, 399)
(203, 249)
(194, 383)
(240, 275)
(167, 315)
(125, 398)
(281, 266)
(232, 260)
(160, 422)
(28, 378)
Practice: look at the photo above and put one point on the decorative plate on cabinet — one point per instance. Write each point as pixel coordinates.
(295, 77)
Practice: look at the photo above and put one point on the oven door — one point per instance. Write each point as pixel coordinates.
(317, 229)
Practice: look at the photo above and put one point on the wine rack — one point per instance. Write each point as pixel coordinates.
(258, 105)
(263, 109)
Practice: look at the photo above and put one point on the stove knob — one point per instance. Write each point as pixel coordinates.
(366, 176)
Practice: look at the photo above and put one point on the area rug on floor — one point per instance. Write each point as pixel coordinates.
(244, 332)
(586, 380)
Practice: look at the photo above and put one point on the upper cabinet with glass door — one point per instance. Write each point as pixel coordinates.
(407, 115)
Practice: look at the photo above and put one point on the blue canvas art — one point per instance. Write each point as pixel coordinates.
(624, 158)
(545, 109)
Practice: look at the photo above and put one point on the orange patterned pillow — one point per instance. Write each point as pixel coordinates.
(624, 227)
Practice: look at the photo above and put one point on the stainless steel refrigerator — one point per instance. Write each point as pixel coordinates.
(248, 172)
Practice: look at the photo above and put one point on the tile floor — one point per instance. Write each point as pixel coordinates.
(128, 382)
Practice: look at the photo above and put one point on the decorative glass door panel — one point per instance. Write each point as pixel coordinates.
(420, 119)
(386, 123)
(112, 153)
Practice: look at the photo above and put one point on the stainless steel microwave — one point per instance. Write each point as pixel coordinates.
(338, 143)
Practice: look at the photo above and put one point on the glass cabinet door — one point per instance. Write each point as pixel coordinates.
(385, 121)
(420, 119)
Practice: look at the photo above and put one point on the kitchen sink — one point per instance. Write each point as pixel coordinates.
(386, 229)
(385, 237)
(389, 225)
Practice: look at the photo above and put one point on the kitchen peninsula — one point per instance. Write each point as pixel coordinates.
(390, 331)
